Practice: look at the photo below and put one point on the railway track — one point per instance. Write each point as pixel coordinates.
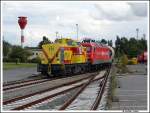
(39, 92)
(97, 99)
(101, 91)
(27, 101)
(42, 96)
(12, 86)
(20, 81)
(21, 92)
(19, 85)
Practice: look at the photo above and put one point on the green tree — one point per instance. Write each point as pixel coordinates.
(44, 41)
(19, 53)
(142, 44)
(131, 47)
(109, 42)
(118, 50)
(103, 41)
(124, 60)
(6, 48)
(124, 45)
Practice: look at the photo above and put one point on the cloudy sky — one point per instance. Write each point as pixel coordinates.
(95, 20)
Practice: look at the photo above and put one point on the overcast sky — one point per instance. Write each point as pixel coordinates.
(95, 19)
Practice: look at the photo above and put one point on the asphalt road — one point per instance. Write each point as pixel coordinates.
(18, 74)
(132, 91)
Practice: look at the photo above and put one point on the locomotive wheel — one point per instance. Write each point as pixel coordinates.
(83, 70)
(49, 75)
(75, 70)
(44, 73)
(67, 71)
(64, 72)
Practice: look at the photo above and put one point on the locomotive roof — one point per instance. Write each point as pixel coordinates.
(94, 44)
(67, 41)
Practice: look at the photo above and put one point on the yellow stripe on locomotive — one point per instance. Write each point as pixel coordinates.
(61, 51)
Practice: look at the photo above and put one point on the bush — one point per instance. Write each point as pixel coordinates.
(9, 60)
(34, 60)
(5, 59)
(124, 60)
(19, 53)
(17, 60)
(130, 62)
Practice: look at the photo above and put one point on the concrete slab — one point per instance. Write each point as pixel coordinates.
(18, 74)
(132, 90)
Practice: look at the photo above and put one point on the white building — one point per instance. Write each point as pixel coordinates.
(34, 52)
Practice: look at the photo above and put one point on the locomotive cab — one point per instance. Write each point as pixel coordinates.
(61, 57)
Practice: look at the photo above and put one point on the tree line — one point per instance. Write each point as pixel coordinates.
(123, 45)
(14, 53)
(131, 47)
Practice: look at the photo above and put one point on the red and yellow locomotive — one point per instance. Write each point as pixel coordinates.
(67, 56)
